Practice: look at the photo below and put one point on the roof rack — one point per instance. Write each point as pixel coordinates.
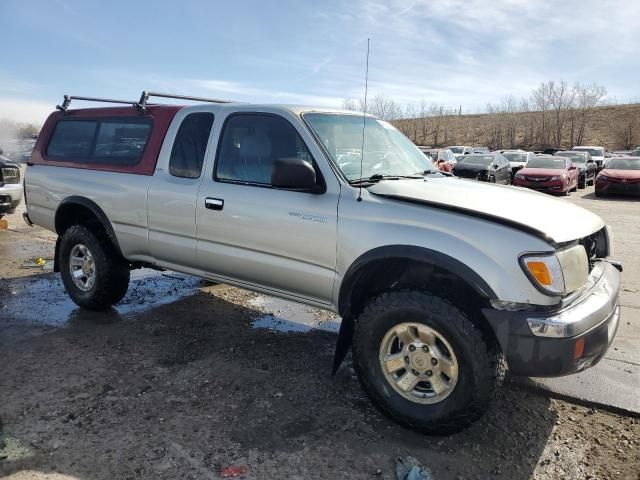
(141, 104)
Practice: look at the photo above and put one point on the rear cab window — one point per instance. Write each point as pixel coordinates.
(115, 141)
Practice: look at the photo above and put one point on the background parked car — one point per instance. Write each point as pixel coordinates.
(10, 185)
(443, 158)
(493, 168)
(621, 175)
(587, 168)
(548, 173)
(481, 150)
(597, 154)
(517, 159)
(460, 150)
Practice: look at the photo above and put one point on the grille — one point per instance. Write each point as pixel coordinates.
(595, 246)
(537, 179)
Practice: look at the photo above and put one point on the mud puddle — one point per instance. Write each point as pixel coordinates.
(42, 301)
(287, 317)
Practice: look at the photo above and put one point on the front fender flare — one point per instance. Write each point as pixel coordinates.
(410, 252)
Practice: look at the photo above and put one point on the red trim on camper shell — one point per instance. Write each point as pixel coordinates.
(161, 115)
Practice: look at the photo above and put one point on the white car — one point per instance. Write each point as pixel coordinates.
(517, 159)
(461, 150)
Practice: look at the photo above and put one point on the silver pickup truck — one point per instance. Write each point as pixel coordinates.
(441, 282)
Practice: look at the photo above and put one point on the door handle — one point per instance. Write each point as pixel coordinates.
(213, 203)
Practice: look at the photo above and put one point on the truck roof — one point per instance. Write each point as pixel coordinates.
(127, 110)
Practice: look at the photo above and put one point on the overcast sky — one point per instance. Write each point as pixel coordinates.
(451, 52)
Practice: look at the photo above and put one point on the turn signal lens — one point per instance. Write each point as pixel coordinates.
(540, 272)
(546, 272)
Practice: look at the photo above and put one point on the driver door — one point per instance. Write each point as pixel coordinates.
(251, 233)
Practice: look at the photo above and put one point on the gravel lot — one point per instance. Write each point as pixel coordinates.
(178, 383)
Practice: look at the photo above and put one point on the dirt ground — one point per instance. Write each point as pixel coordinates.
(177, 382)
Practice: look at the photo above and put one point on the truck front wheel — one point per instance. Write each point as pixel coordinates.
(94, 275)
(424, 363)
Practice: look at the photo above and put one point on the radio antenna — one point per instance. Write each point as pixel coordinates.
(364, 118)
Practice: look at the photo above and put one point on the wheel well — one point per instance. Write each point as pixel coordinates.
(83, 212)
(75, 214)
(393, 274)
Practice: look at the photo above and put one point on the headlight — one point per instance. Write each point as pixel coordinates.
(559, 273)
(602, 177)
(10, 175)
(520, 176)
(559, 177)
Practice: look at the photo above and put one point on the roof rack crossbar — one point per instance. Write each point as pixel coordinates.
(141, 105)
(67, 101)
(145, 97)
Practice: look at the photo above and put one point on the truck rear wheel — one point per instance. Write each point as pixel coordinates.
(94, 275)
(424, 363)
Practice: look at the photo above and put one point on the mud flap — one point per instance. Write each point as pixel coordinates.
(345, 336)
(56, 261)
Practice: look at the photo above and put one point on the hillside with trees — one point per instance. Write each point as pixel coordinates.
(555, 115)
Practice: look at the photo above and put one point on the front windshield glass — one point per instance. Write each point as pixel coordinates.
(575, 158)
(624, 164)
(386, 150)
(477, 159)
(547, 162)
(515, 157)
(456, 149)
(595, 152)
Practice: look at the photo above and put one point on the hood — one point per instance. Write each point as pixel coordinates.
(542, 172)
(7, 162)
(470, 167)
(620, 174)
(537, 213)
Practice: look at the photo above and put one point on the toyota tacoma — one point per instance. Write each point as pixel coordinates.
(441, 283)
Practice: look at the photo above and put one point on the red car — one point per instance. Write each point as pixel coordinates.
(621, 175)
(550, 174)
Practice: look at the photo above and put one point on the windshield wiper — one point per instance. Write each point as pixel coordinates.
(376, 177)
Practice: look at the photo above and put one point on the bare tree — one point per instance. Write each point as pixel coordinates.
(350, 104)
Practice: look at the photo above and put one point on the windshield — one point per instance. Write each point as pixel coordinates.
(477, 159)
(595, 152)
(624, 164)
(386, 150)
(547, 162)
(456, 149)
(515, 157)
(575, 158)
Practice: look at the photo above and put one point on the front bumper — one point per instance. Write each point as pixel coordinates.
(548, 186)
(10, 196)
(623, 188)
(566, 340)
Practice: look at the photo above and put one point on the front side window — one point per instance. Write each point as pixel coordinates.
(386, 150)
(100, 141)
(250, 145)
(190, 145)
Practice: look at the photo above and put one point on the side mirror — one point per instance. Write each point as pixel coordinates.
(294, 173)
(495, 165)
(573, 166)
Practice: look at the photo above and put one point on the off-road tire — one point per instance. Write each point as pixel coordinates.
(481, 363)
(112, 271)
